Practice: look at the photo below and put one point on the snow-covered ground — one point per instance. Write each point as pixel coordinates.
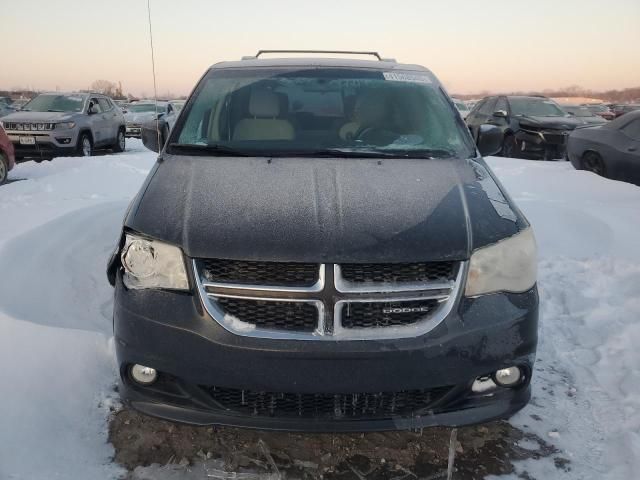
(59, 220)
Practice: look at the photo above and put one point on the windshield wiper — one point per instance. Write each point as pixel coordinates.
(364, 153)
(217, 150)
(52, 110)
(221, 150)
(329, 153)
(422, 153)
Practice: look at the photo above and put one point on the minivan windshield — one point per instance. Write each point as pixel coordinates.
(56, 103)
(320, 112)
(535, 107)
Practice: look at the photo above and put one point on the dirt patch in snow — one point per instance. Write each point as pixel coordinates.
(141, 442)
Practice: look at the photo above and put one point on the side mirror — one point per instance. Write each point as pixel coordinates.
(500, 114)
(489, 140)
(149, 136)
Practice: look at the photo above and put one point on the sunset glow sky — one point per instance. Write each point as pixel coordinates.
(493, 45)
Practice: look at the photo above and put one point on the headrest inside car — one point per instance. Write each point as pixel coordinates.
(263, 104)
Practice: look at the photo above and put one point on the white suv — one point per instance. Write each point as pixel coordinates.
(59, 124)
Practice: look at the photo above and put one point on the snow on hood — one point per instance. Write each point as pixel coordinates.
(336, 210)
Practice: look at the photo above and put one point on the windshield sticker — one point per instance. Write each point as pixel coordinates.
(406, 77)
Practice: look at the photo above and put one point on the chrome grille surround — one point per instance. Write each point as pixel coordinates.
(330, 295)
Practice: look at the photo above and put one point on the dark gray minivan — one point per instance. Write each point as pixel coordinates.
(321, 246)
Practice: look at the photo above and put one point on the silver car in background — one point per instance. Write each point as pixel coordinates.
(64, 124)
(139, 113)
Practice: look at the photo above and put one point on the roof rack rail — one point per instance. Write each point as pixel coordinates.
(339, 52)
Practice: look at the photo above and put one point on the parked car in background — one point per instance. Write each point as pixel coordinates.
(322, 247)
(532, 126)
(166, 122)
(462, 107)
(611, 150)
(138, 113)
(5, 106)
(21, 102)
(601, 110)
(583, 115)
(122, 104)
(7, 158)
(55, 124)
(620, 110)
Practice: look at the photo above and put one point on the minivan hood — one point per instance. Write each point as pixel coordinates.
(23, 116)
(323, 210)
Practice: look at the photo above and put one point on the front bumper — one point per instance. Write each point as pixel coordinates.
(44, 145)
(172, 333)
(541, 145)
(133, 131)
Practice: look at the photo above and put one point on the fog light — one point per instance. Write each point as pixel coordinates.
(508, 377)
(143, 375)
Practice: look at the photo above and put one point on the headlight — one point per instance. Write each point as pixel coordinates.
(152, 264)
(507, 266)
(65, 125)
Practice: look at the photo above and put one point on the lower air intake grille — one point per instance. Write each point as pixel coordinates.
(398, 272)
(261, 273)
(328, 406)
(292, 316)
(386, 314)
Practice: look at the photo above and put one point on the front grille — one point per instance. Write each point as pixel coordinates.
(273, 315)
(29, 126)
(327, 406)
(261, 273)
(555, 138)
(386, 314)
(311, 301)
(398, 272)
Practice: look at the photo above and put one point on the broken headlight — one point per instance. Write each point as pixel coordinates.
(507, 266)
(152, 264)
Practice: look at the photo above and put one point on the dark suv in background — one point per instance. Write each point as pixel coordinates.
(321, 246)
(532, 127)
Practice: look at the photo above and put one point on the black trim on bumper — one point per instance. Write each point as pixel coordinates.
(43, 150)
(476, 410)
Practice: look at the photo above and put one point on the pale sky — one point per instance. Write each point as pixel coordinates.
(494, 45)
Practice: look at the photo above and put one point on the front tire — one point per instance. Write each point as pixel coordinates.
(592, 162)
(4, 169)
(85, 145)
(120, 144)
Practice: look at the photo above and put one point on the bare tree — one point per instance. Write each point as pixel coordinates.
(105, 87)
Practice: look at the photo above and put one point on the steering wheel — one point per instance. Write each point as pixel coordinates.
(387, 136)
